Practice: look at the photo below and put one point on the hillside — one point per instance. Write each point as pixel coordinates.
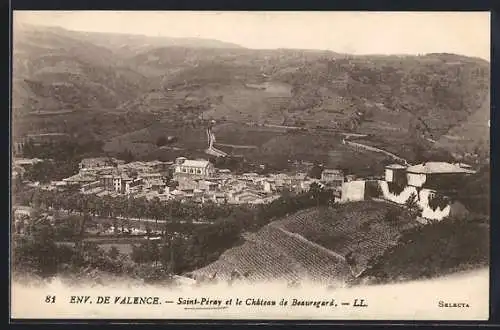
(129, 45)
(63, 84)
(463, 244)
(275, 147)
(320, 244)
(470, 135)
(60, 71)
(362, 242)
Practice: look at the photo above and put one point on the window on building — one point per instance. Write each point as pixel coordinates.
(184, 170)
(191, 171)
(198, 171)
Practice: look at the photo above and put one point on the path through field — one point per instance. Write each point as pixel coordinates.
(312, 244)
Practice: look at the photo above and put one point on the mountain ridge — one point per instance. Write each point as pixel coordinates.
(56, 69)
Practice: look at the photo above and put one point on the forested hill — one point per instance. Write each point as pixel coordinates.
(435, 94)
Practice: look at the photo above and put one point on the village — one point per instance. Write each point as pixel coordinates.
(200, 182)
(185, 179)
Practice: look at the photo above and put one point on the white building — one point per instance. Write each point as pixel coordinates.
(330, 176)
(79, 179)
(353, 191)
(425, 181)
(150, 177)
(23, 211)
(27, 161)
(90, 186)
(96, 162)
(246, 196)
(395, 173)
(266, 186)
(201, 168)
(432, 173)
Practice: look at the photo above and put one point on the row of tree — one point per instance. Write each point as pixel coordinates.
(72, 201)
(193, 249)
(47, 171)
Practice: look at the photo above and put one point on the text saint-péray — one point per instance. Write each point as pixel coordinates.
(219, 302)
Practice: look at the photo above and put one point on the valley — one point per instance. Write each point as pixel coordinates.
(258, 121)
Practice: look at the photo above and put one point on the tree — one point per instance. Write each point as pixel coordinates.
(161, 141)
(412, 205)
(127, 156)
(114, 253)
(37, 252)
(315, 192)
(315, 171)
(145, 252)
(155, 210)
(350, 259)
(67, 227)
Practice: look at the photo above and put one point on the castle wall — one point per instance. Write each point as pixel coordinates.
(353, 191)
(423, 200)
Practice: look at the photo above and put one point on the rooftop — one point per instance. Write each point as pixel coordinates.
(80, 178)
(331, 171)
(97, 169)
(135, 165)
(195, 163)
(150, 175)
(103, 193)
(24, 208)
(157, 182)
(96, 159)
(27, 161)
(395, 167)
(93, 191)
(438, 167)
(93, 182)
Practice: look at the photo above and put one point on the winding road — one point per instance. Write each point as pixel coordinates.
(374, 149)
(211, 150)
(347, 140)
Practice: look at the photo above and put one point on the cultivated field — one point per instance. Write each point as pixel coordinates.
(143, 142)
(319, 244)
(240, 134)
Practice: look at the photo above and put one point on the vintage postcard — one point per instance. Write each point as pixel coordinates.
(250, 165)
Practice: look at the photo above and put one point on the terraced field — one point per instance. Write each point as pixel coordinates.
(277, 255)
(313, 245)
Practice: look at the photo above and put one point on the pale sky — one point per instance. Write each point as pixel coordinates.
(465, 33)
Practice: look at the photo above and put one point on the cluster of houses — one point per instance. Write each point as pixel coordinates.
(199, 181)
(187, 179)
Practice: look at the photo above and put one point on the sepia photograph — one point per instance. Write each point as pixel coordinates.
(250, 165)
